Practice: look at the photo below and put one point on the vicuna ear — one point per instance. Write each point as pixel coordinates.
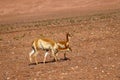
(68, 34)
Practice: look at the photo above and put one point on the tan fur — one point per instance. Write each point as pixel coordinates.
(49, 45)
(43, 44)
(64, 45)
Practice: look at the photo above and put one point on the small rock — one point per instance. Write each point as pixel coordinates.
(109, 58)
(102, 48)
(103, 71)
(35, 79)
(116, 54)
(95, 67)
(76, 66)
(64, 73)
(13, 52)
(92, 33)
(108, 73)
(8, 78)
(113, 65)
(72, 68)
(96, 77)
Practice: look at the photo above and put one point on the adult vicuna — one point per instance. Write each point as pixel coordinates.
(43, 44)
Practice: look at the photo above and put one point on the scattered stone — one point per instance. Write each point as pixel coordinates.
(76, 67)
(92, 33)
(103, 48)
(14, 47)
(81, 69)
(108, 73)
(103, 71)
(72, 68)
(64, 73)
(116, 54)
(13, 52)
(8, 78)
(113, 66)
(109, 58)
(97, 77)
(35, 79)
(95, 68)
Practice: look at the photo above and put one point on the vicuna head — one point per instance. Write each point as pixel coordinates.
(68, 36)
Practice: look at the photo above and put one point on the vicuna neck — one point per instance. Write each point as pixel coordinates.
(67, 38)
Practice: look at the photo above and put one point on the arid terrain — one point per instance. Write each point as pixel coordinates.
(95, 29)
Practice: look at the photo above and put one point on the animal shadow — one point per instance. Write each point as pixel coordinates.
(52, 61)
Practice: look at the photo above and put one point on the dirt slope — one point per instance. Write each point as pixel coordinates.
(14, 11)
(95, 41)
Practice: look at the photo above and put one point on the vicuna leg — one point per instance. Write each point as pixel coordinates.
(30, 55)
(65, 56)
(69, 49)
(45, 56)
(54, 54)
(35, 57)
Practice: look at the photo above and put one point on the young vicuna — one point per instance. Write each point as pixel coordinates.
(43, 44)
(64, 45)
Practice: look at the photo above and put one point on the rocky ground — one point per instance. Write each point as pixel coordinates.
(95, 43)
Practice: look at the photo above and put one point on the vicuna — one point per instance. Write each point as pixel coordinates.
(49, 45)
(43, 44)
(64, 45)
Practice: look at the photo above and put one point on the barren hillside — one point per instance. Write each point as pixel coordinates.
(24, 10)
(95, 42)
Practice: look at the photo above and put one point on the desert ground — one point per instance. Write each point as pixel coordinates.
(95, 42)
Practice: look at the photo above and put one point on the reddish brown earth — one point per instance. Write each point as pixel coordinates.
(14, 11)
(95, 29)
